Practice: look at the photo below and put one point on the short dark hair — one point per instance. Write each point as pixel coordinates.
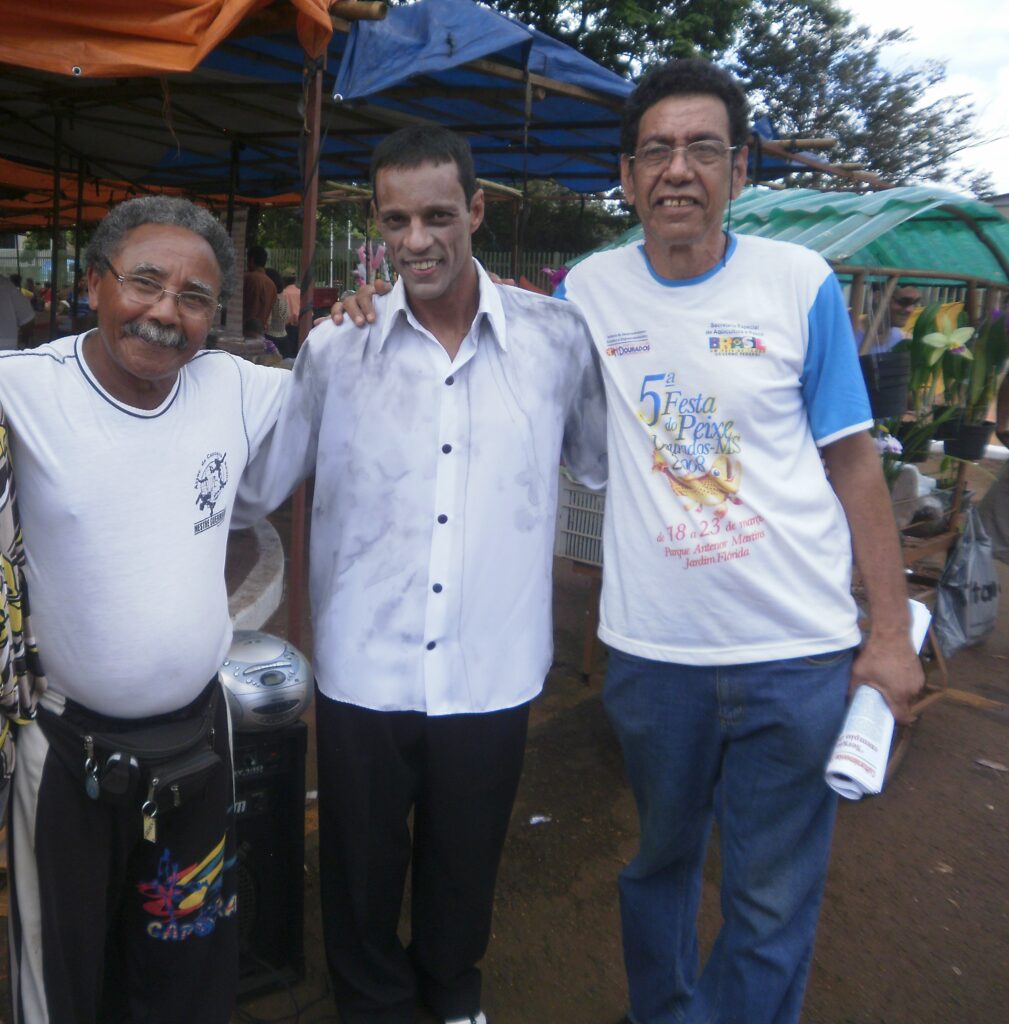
(425, 144)
(171, 210)
(258, 255)
(688, 76)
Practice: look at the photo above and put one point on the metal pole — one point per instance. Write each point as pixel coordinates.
(309, 207)
(232, 189)
(54, 302)
(77, 226)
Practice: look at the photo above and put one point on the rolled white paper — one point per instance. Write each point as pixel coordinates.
(857, 765)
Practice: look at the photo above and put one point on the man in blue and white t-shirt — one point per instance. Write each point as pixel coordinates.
(730, 373)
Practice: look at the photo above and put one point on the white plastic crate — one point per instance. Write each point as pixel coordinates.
(579, 522)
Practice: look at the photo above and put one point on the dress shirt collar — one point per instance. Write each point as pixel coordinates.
(490, 307)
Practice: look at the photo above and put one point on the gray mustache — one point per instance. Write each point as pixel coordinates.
(155, 333)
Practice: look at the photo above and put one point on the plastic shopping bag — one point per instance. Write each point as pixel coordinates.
(967, 599)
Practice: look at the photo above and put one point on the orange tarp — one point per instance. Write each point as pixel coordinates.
(26, 199)
(112, 38)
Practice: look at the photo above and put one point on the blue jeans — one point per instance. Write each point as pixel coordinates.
(747, 745)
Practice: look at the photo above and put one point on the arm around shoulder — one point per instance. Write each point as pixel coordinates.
(584, 449)
(287, 450)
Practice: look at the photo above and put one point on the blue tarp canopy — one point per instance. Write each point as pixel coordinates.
(240, 110)
(431, 60)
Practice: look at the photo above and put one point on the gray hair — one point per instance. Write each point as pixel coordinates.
(121, 219)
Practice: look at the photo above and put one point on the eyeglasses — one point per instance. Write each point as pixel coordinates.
(146, 292)
(703, 153)
(906, 303)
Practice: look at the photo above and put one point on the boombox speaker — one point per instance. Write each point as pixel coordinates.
(270, 832)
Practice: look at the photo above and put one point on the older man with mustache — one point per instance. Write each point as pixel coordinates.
(128, 441)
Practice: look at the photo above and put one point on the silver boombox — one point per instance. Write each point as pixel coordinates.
(268, 682)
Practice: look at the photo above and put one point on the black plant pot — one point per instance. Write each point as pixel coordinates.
(886, 377)
(915, 443)
(950, 426)
(970, 442)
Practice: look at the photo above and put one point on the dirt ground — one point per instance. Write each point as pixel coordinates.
(915, 923)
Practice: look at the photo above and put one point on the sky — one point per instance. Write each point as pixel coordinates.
(972, 37)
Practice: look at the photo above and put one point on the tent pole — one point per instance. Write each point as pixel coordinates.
(77, 225)
(232, 189)
(309, 207)
(857, 298)
(54, 300)
(522, 212)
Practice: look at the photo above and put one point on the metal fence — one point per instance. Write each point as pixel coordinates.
(334, 268)
(331, 268)
(32, 263)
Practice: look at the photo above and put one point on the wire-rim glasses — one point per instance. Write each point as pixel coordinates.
(147, 292)
(702, 153)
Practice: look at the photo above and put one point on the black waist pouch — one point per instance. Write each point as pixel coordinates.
(161, 762)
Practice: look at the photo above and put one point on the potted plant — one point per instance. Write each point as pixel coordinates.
(937, 349)
(977, 381)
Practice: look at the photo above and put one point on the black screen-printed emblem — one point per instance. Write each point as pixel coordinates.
(210, 482)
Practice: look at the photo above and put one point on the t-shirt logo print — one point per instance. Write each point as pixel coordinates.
(210, 481)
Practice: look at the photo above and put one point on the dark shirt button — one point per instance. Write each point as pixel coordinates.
(446, 448)
(437, 588)
(431, 645)
(443, 518)
(450, 380)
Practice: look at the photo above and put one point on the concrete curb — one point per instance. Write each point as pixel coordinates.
(262, 590)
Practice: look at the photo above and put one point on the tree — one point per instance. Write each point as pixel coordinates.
(816, 74)
(628, 35)
(557, 219)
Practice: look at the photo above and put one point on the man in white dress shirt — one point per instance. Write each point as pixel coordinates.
(435, 436)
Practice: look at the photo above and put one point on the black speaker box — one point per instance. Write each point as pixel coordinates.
(270, 833)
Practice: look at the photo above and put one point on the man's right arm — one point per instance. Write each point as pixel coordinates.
(288, 452)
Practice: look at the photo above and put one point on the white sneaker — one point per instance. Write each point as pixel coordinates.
(478, 1019)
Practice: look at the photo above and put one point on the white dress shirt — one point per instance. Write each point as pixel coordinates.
(435, 496)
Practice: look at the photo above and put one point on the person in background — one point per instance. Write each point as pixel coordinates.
(276, 327)
(258, 292)
(903, 302)
(292, 293)
(994, 507)
(16, 314)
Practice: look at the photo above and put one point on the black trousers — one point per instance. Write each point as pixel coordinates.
(459, 775)
(105, 926)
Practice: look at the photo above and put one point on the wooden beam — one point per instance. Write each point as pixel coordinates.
(492, 67)
(877, 317)
(981, 236)
(930, 272)
(857, 298)
(775, 148)
(358, 10)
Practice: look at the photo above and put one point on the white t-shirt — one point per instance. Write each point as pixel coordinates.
(724, 543)
(125, 514)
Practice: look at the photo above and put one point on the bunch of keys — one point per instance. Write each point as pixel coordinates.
(117, 778)
(91, 784)
(150, 813)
